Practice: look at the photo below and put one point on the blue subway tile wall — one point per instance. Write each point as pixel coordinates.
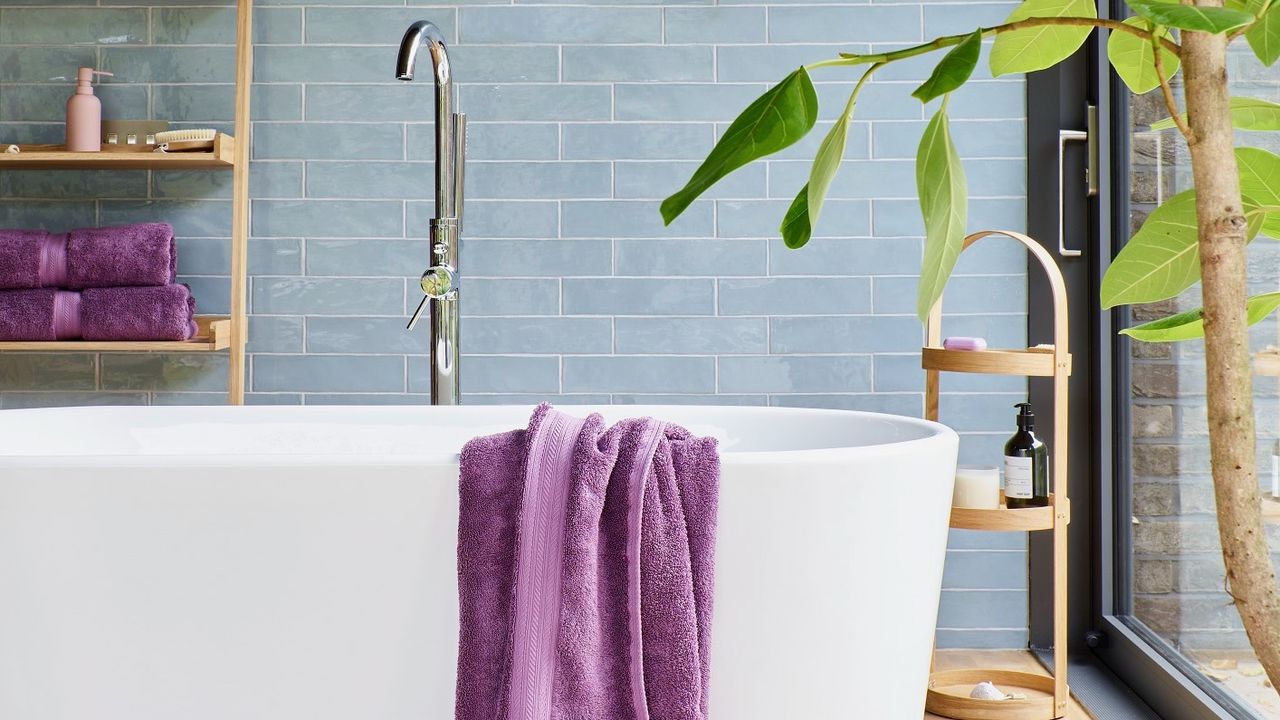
(584, 115)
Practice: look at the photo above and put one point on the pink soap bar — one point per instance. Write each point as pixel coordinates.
(964, 343)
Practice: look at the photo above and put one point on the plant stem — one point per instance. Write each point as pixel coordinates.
(1222, 243)
(1167, 91)
(853, 96)
(945, 41)
(1241, 31)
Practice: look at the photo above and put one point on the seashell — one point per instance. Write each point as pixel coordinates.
(987, 691)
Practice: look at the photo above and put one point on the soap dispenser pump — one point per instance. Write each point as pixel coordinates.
(1026, 464)
(84, 114)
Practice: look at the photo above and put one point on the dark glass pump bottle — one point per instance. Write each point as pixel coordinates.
(1026, 464)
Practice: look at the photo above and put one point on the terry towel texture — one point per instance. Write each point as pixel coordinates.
(124, 255)
(586, 562)
(129, 313)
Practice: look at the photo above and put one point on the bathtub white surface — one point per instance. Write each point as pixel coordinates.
(298, 563)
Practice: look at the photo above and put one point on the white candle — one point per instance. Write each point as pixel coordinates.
(977, 486)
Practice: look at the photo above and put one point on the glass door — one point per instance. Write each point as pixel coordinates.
(1166, 618)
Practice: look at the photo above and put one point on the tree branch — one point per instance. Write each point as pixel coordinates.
(1169, 101)
(945, 41)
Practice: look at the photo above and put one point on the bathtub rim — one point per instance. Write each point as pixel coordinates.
(937, 438)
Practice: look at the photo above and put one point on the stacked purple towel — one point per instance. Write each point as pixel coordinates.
(124, 275)
(121, 256)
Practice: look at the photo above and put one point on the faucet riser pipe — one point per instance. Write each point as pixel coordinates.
(450, 152)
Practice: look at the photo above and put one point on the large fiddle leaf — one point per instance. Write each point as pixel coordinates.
(1264, 36)
(953, 70)
(1192, 17)
(1134, 57)
(944, 202)
(827, 161)
(778, 118)
(1160, 260)
(1189, 325)
(796, 228)
(1037, 48)
(1260, 183)
(1246, 114)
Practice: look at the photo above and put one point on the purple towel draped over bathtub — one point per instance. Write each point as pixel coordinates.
(586, 571)
(127, 313)
(123, 255)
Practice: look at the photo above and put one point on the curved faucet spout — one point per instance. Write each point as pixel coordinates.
(413, 37)
(446, 226)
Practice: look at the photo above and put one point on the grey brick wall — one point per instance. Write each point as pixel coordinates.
(584, 115)
(1179, 583)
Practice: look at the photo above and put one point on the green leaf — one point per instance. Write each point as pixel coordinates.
(944, 201)
(778, 118)
(1037, 48)
(1189, 325)
(953, 70)
(1255, 216)
(795, 227)
(1192, 17)
(1264, 36)
(1134, 59)
(1246, 114)
(827, 161)
(1260, 181)
(1250, 6)
(1160, 260)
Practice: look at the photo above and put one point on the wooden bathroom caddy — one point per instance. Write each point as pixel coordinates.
(1043, 698)
(214, 332)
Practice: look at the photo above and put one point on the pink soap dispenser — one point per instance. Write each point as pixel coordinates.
(84, 114)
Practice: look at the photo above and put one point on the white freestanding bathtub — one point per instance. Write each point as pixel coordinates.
(272, 563)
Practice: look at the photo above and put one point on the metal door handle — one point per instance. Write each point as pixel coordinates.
(1090, 138)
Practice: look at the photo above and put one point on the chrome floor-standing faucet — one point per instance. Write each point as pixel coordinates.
(440, 280)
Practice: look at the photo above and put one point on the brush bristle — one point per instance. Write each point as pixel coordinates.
(170, 136)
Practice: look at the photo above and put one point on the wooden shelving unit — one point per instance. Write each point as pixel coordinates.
(1043, 698)
(216, 333)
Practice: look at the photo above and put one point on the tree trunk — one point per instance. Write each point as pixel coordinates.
(1232, 439)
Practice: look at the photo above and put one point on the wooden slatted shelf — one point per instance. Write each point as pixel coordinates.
(1033, 362)
(53, 157)
(213, 333)
(948, 695)
(1012, 520)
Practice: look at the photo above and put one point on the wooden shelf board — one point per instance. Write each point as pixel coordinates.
(1019, 520)
(1036, 362)
(1266, 362)
(213, 333)
(45, 157)
(1005, 660)
(948, 695)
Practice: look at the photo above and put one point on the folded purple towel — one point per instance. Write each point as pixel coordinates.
(586, 571)
(126, 313)
(120, 256)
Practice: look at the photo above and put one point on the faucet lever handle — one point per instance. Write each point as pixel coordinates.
(417, 313)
